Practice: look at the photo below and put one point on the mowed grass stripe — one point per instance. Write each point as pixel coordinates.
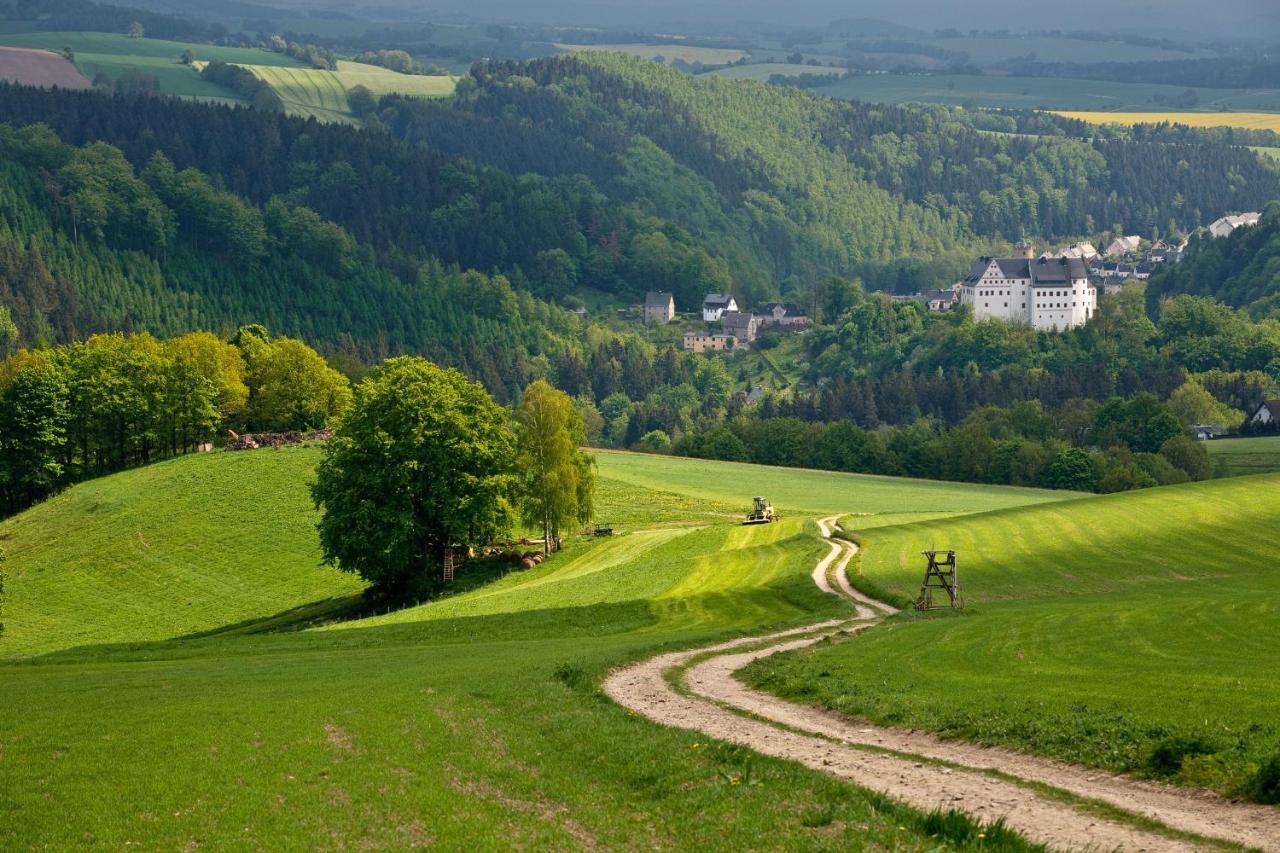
(1094, 631)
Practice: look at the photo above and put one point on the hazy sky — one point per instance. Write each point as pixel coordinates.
(1260, 17)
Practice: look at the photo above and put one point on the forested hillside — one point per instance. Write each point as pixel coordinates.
(89, 244)
(617, 175)
(1241, 269)
(818, 185)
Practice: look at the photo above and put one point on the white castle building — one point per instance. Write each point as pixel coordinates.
(1049, 294)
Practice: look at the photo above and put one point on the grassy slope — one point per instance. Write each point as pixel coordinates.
(115, 54)
(175, 548)
(1057, 93)
(1238, 456)
(811, 492)
(1095, 630)
(381, 81)
(467, 719)
(669, 52)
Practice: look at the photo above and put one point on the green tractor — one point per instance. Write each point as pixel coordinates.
(761, 512)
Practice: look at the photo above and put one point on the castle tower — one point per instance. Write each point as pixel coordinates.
(1024, 249)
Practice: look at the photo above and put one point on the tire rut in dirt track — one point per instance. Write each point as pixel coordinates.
(836, 745)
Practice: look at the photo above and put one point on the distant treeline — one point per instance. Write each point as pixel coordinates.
(1200, 73)
(1125, 444)
(87, 16)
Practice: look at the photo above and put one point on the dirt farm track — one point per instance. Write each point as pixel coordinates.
(39, 68)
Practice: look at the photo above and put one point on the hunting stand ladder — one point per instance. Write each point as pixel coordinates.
(940, 574)
(447, 566)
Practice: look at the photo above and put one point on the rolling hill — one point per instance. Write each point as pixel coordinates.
(115, 54)
(468, 717)
(185, 599)
(1098, 632)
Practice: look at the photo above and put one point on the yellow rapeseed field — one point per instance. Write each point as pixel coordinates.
(1249, 121)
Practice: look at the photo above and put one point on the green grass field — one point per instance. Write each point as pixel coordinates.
(762, 71)
(114, 55)
(669, 52)
(1095, 631)
(1055, 93)
(1237, 456)
(308, 92)
(987, 50)
(158, 686)
(382, 81)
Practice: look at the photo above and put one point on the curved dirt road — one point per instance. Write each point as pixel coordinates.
(718, 705)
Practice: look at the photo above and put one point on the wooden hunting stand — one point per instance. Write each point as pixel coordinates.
(940, 574)
(446, 567)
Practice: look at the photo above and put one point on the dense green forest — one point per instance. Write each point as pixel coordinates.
(168, 217)
(617, 175)
(1241, 269)
(896, 195)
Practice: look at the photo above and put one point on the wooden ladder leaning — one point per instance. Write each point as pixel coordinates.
(447, 567)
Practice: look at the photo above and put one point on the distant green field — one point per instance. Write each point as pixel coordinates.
(1056, 93)
(1238, 456)
(1269, 153)
(382, 81)
(985, 50)
(669, 52)
(114, 55)
(469, 718)
(811, 492)
(1095, 631)
(308, 92)
(764, 70)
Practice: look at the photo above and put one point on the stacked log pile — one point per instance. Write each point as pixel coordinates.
(253, 441)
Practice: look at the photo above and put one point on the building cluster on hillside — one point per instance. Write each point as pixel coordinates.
(1123, 262)
(1047, 293)
(1056, 291)
(1224, 226)
(737, 328)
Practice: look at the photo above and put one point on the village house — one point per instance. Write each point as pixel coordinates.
(940, 300)
(785, 314)
(743, 325)
(1045, 293)
(1122, 246)
(716, 304)
(659, 307)
(1225, 225)
(1267, 413)
(707, 342)
(1112, 286)
(1162, 252)
(1082, 250)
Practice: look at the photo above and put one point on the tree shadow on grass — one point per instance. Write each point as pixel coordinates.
(360, 605)
(556, 623)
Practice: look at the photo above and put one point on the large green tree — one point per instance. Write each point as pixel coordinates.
(556, 477)
(419, 465)
(33, 414)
